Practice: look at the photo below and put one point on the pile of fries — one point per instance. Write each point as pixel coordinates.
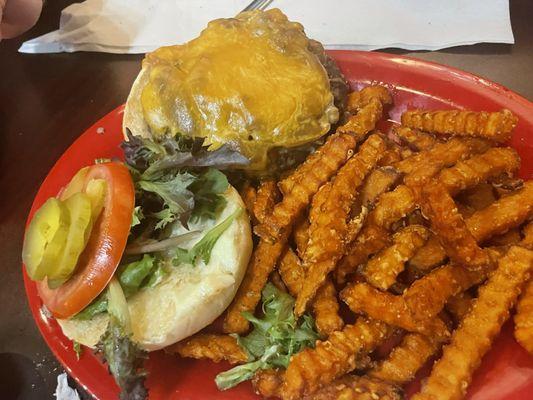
(422, 232)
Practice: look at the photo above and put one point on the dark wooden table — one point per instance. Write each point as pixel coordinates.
(47, 100)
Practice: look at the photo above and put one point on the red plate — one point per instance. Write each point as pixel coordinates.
(506, 371)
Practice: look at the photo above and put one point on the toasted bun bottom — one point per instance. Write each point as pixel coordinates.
(189, 298)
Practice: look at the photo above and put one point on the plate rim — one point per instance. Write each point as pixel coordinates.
(479, 82)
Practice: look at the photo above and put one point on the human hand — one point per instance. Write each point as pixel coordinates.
(17, 16)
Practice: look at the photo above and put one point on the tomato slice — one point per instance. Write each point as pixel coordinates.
(103, 252)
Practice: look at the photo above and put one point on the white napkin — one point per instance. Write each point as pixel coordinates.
(139, 26)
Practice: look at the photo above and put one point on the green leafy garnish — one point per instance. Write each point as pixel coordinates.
(132, 275)
(123, 356)
(208, 190)
(137, 216)
(202, 250)
(98, 306)
(174, 193)
(77, 349)
(146, 272)
(274, 339)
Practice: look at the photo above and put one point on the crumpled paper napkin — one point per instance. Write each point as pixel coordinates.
(140, 26)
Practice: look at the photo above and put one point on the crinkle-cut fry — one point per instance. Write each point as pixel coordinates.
(355, 225)
(263, 261)
(446, 221)
(442, 155)
(512, 236)
(361, 98)
(496, 126)
(371, 240)
(459, 305)
(404, 361)
(478, 197)
(390, 207)
(527, 231)
(389, 308)
(415, 139)
(277, 281)
(470, 172)
(383, 268)
(267, 382)
(523, 319)
(427, 296)
(248, 194)
(353, 387)
(300, 234)
(210, 346)
(299, 188)
(365, 120)
(393, 155)
(378, 182)
(329, 157)
(506, 213)
(502, 215)
(329, 228)
(326, 310)
(311, 369)
(266, 198)
(291, 271)
(452, 373)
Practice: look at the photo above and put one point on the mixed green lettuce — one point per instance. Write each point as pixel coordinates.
(123, 357)
(275, 337)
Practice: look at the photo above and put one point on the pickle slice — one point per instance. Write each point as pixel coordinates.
(45, 239)
(75, 185)
(96, 190)
(80, 210)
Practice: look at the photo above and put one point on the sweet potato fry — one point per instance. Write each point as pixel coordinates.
(392, 309)
(427, 296)
(495, 126)
(300, 235)
(267, 196)
(353, 387)
(365, 120)
(406, 359)
(361, 98)
(291, 271)
(527, 241)
(277, 281)
(393, 155)
(441, 155)
(326, 310)
(391, 207)
(512, 236)
(452, 373)
(502, 215)
(453, 234)
(263, 261)
(267, 382)
(415, 139)
(211, 346)
(318, 169)
(378, 182)
(312, 369)
(523, 320)
(383, 268)
(459, 305)
(248, 194)
(469, 173)
(329, 227)
(371, 240)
